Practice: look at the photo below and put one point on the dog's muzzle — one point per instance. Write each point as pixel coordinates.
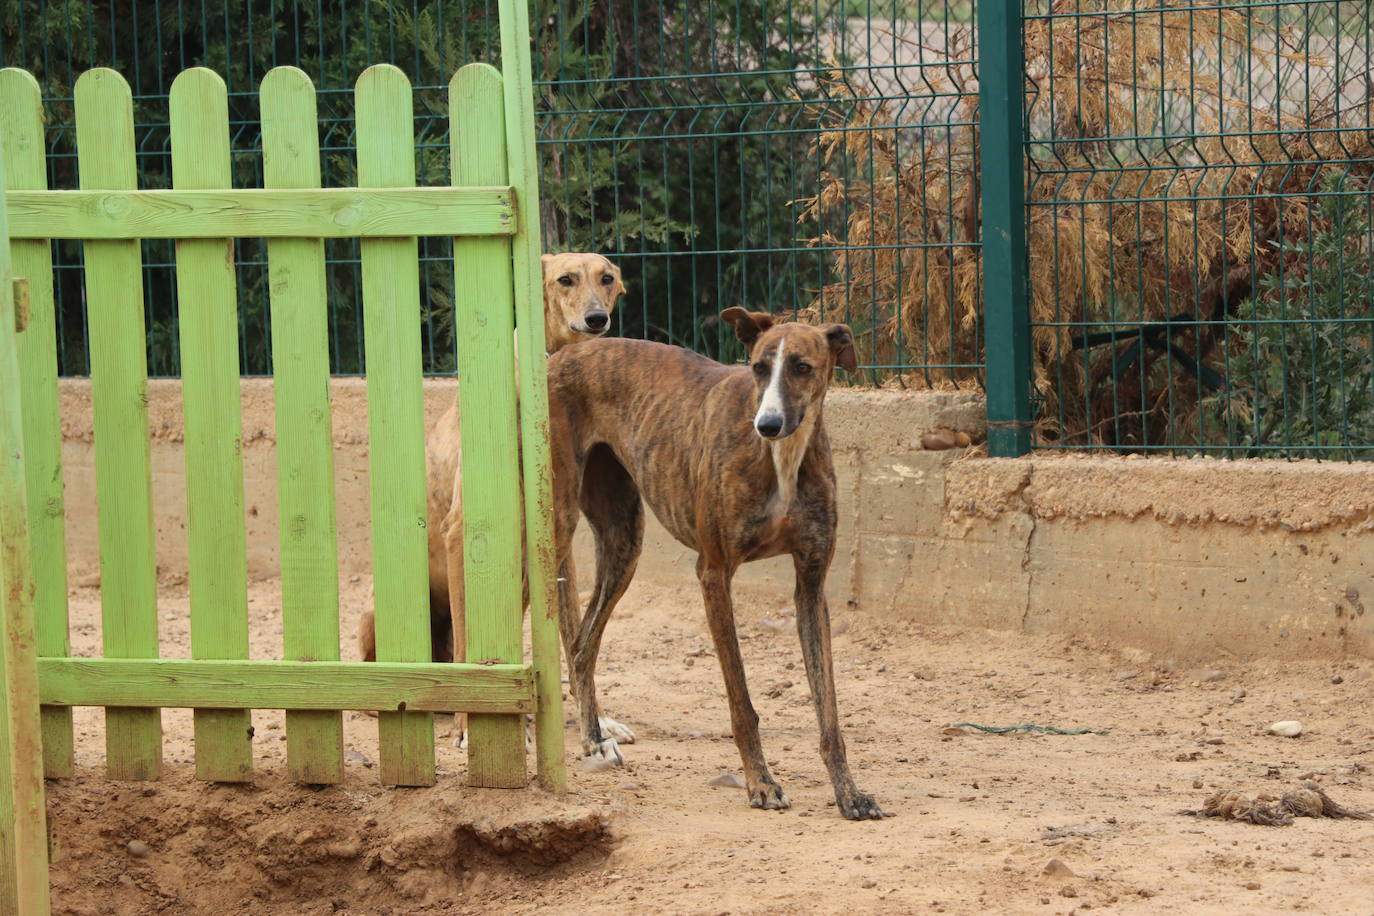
(596, 322)
(769, 426)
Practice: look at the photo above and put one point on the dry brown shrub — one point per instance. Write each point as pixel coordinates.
(1184, 142)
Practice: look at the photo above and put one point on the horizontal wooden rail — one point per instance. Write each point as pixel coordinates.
(258, 213)
(257, 684)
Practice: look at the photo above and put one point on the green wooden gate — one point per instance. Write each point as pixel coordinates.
(491, 211)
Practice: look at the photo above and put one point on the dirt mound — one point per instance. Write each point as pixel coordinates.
(180, 846)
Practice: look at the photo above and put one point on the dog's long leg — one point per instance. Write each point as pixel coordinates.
(764, 792)
(813, 626)
(456, 634)
(569, 615)
(610, 501)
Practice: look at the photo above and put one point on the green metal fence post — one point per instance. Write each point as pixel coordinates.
(1006, 321)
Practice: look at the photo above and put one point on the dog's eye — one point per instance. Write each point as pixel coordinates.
(565, 280)
(607, 279)
(802, 368)
(760, 368)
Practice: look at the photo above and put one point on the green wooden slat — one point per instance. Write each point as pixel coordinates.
(119, 382)
(23, 817)
(253, 213)
(485, 325)
(523, 172)
(21, 139)
(305, 444)
(207, 296)
(391, 324)
(262, 684)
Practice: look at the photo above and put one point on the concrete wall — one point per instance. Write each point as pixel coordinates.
(1193, 559)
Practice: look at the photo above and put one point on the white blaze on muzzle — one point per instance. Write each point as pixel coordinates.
(770, 410)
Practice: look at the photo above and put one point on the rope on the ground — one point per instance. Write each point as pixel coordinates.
(1042, 729)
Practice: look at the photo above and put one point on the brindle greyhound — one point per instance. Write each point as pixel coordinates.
(734, 461)
(580, 292)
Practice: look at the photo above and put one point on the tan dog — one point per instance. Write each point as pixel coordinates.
(735, 462)
(580, 293)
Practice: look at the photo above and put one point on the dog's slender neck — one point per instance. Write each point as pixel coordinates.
(787, 455)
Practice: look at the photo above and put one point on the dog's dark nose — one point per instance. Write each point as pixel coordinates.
(769, 427)
(597, 321)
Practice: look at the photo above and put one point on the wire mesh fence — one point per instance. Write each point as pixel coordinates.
(1198, 227)
(680, 138)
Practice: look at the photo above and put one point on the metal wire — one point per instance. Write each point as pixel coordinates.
(677, 137)
(1199, 222)
(1198, 211)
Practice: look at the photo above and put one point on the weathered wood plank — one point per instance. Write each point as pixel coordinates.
(262, 684)
(523, 172)
(119, 383)
(259, 213)
(21, 140)
(207, 297)
(485, 327)
(396, 431)
(23, 817)
(305, 443)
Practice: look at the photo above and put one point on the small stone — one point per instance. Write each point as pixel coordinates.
(694, 734)
(357, 756)
(1239, 694)
(840, 628)
(1286, 729)
(938, 440)
(1127, 674)
(1252, 885)
(1211, 675)
(869, 883)
(89, 581)
(1197, 783)
(1337, 679)
(1068, 890)
(138, 848)
(1215, 740)
(355, 578)
(727, 781)
(629, 785)
(1055, 868)
(776, 624)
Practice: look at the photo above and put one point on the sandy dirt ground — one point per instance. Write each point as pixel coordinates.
(978, 819)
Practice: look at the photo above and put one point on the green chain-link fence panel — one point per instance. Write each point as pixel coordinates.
(681, 138)
(1199, 226)
(1197, 186)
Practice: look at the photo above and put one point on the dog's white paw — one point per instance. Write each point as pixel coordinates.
(461, 742)
(609, 751)
(613, 729)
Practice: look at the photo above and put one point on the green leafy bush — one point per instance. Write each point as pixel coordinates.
(1300, 369)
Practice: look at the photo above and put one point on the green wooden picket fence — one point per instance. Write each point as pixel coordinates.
(491, 211)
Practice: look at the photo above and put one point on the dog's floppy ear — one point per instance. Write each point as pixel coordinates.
(619, 280)
(841, 341)
(748, 325)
